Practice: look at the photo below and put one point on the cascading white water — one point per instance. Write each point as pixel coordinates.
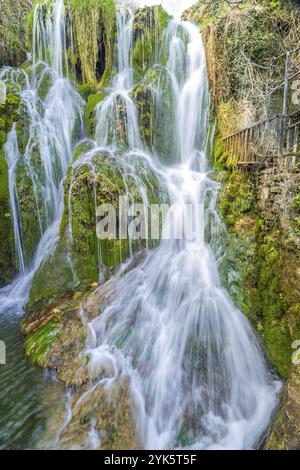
(12, 157)
(198, 378)
(55, 126)
(118, 107)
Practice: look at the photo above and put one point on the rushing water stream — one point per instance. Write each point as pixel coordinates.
(197, 374)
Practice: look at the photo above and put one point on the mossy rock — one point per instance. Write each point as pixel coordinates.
(83, 147)
(86, 89)
(148, 26)
(9, 112)
(38, 344)
(92, 103)
(237, 198)
(7, 248)
(29, 218)
(276, 299)
(142, 97)
(260, 269)
(285, 433)
(58, 345)
(154, 100)
(54, 278)
(80, 257)
(94, 30)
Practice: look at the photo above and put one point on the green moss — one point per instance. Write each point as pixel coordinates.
(12, 32)
(7, 252)
(9, 112)
(258, 268)
(276, 297)
(29, 219)
(156, 116)
(86, 89)
(142, 96)
(163, 17)
(54, 278)
(83, 147)
(80, 256)
(296, 203)
(237, 198)
(93, 101)
(94, 25)
(38, 344)
(29, 22)
(114, 252)
(148, 25)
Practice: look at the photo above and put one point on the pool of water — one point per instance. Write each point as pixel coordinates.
(26, 393)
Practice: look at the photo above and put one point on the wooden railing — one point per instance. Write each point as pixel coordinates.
(279, 136)
(264, 142)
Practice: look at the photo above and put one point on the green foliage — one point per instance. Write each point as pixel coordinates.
(296, 202)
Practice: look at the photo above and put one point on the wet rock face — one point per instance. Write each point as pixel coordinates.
(9, 113)
(148, 26)
(285, 433)
(260, 261)
(94, 27)
(101, 420)
(13, 31)
(56, 336)
(55, 339)
(80, 256)
(260, 268)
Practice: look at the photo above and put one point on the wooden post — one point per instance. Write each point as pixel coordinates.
(285, 102)
(246, 145)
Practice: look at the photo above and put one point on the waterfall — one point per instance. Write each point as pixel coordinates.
(50, 37)
(198, 378)
(110, 112)
(55, 125)
(196, 372)
(12, 157)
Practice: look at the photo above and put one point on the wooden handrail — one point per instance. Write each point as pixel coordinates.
(251, 144)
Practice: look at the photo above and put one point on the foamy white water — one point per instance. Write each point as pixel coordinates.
(198, 378)
(52, 123)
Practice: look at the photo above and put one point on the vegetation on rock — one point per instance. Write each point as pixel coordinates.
(80, 257)
(9, 113)
(13, 31)
(94, 27)
(246, 43)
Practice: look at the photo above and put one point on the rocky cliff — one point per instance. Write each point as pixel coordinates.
(246, 44)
